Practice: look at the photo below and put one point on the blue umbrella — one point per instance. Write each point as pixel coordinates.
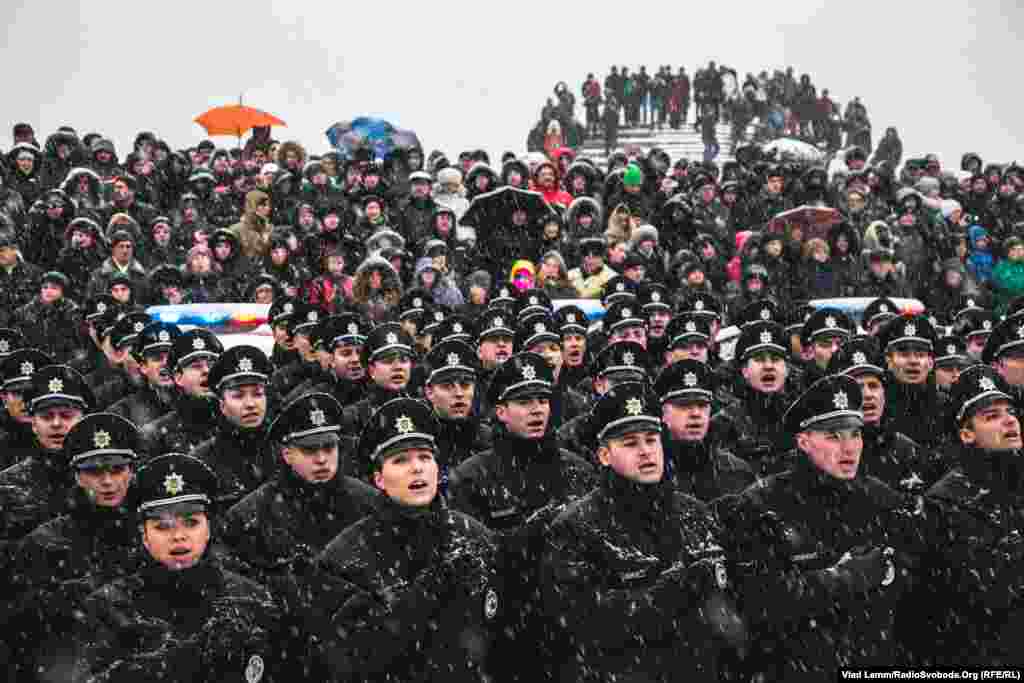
(376, 135)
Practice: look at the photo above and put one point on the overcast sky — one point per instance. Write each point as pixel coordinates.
(476, 74)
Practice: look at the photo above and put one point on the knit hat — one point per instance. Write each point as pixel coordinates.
(632, 176)
(449, 176)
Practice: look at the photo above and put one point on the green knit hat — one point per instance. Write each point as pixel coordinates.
(633, 175)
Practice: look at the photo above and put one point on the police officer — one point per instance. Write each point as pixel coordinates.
(388, 355)
(495, 344)
(912, 399)
(974, 326)
(16, 436)
(154, 398)
(811, 548)
(280, 313)
(877, 313)
(98, 314)
(36, 489)
(976, 550)
(239, 453)
(410, 590)
(688, 337)
(572, 325)
(695, 464)
(122, 376)
(820, 338)
(342, 338)
(538, 333)
(888, 454)
(277, 530)
(182, 616)
(508, 485)
(654, 301)
(450, 388)
(64, 560)
(623, 322)
(300, 326)
(1004, 351)
(195, 415)
(634, 573)
(950, 360)
(751, 426)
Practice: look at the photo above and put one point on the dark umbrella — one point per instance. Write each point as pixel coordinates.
(816, 220)
(495, 208)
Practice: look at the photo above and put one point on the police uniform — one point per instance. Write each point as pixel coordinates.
(538, 328)
(701, 469)
(824, 323)
(17, 439)
(877, 313)
(495, 322)
(149, 402)
(201, 624)
(303, 320)
(242, 458)
(889, 455)
(116, 382)
(573, 320)
(280, 311)
(751, 426)
(812, 555)
(338, 330)
(634, 575)
(194, 418)
(64, 560)
(99, 312)
(407, 591)
(384, 339)
(457, 440)
(516, 488)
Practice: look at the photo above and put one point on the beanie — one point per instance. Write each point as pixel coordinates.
(632, 176)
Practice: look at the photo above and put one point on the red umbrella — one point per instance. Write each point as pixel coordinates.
(815, 220)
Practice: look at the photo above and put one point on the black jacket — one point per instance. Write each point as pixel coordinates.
(17, 288)
(193, 421)
(896, 460)
(619, 577)
(51, 328)
(918, 411)
(202, 624)
(354, 417)
(144, 406)
(459, 440)
(17, 441)
(408, 595)
(751, 427)
(33, 491)
(243, 460)
(704, 470)
(810, 614)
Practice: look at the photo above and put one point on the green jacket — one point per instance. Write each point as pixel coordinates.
(1008, 283)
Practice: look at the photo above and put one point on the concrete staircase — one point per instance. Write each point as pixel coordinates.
(684, 142)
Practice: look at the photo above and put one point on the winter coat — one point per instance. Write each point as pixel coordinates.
(17, 288)
(628, 573)
(894, 459)
(253, 232)
(99, 282)
(408, 594)
(288, 377)
(443, 290)
(51, 328)
(90, 203)
(78, 265)
(980, 263)
(333, 295)
(819, 280)
(243, 459)
(459, 440)
(193, 421)
(591, 286)
(809, 613)
(58, 566)
(1007, 283)
(415, 219)
(44, 238)
(197, 625)
(975, 564)
(517, 488)
(17, 441)
(918, 411)
(893, 285)
(704, 470)
(751, 427)
(144, 406)
(354, 417)
(376, 305)
(32, 492)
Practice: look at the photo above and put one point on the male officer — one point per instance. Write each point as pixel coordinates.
(912, 400)
(634, 573)
(388, 355)
(450, 388)
(17, 439)
(696, 465)
(239, 452)
(495, 344)
(155, 398)
(342, 337)
(123, 375)
(820, 338)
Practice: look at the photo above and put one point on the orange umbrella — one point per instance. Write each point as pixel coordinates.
(235, 119)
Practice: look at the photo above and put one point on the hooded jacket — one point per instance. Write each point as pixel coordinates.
(253, 231)
(376, 305)
(443, 290)
(980, 262)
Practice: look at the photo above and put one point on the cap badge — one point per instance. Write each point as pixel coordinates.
(987, 384)
(841, 400)
(404, 424)
(317, 417)
(529, 372)
(139, 326)
(56, 385)
(766, 314)
(698, 305)
(245, 365)
(453, 359)
(655, 297)
(628, 358)
(438, 316)
(5, 346)
(312, 317)
(986, 325)
(499, 322)
(634, 406)
(101, 308)
(353, 328)
(164, 336)
(883, 308)
(533, 301)
(503, 292)
(690, 379)
(621, 287)
(539, 328)
(288, 308)
(27, 368)
(457, 328)
(417, 303)
(101, 439)
(910, 330)
(570, 318)
(766, 337)
(691, 326)
(174, 484)
(970, 303)
(860, 358)
(391, 338)
(1020, 331)
(830, 322)
(626, 313)
(198, 344)
(951, 349)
